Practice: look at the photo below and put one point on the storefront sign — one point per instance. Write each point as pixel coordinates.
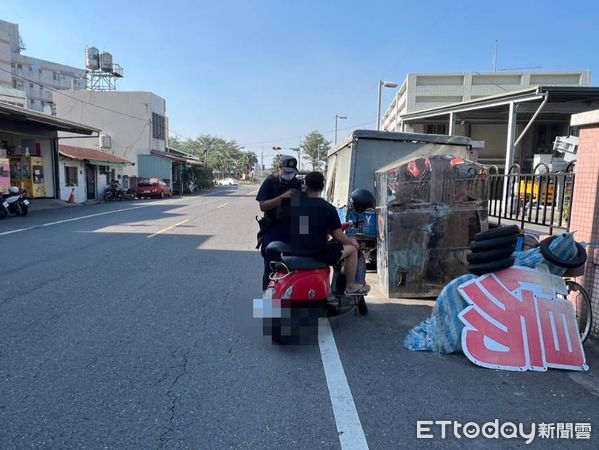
(4, 174)
(516, 321)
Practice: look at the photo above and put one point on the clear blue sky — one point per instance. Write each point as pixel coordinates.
(265, 72)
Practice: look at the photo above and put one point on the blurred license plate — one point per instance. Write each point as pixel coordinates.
(26, 202)
(146, 192)
(5, 204)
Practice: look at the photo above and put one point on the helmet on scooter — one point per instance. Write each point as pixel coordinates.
(361, 199)
(14, 190)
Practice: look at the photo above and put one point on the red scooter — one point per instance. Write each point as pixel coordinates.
(300, 292)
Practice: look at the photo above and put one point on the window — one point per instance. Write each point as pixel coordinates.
(55, 76)
(436, 129)
(70, 175)
(32, 102)
(158, 131)
(30, 69)
(19, 67)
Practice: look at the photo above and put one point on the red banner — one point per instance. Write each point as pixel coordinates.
(516, 321)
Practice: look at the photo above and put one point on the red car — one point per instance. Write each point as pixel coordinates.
(153, 187)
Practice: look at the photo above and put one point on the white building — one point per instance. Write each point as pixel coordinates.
(422, 91)
(133, 128)
(34, 77)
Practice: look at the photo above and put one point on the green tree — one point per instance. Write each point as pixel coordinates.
(274, 168)
(314, 149)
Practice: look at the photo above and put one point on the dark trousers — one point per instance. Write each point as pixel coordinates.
(265, 279)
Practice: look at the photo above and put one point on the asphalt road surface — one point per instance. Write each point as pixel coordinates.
(128, 325)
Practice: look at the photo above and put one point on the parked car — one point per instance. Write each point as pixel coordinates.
(228, 182)
(153, 187)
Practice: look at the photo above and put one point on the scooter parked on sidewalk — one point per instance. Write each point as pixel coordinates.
(299, 292)
(114, 191)
(17, 201)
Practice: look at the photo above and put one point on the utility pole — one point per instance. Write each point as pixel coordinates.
(495, 57)
(262, 164)
(299, 155)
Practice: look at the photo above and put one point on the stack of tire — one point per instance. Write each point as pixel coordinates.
(492, 250)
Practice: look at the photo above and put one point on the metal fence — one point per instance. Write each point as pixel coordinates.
(540, 198)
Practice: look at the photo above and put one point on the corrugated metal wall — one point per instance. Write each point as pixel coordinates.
(151, 166)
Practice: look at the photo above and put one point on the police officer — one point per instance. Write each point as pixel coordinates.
(273, 195)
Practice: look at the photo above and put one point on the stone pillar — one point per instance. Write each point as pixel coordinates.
(585, 203)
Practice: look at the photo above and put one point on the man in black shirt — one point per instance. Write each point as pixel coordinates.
(313, 220)
(274, 194)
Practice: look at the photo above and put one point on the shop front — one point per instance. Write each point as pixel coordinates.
(85, 172)
(29, 150)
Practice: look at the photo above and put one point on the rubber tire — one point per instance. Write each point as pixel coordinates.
(492, 244)
(108, 197)
(3, 212)
(483, 268)
(573, 286)
(490, 255)
(578, 261)
(497, 233)
(362, 306)
(21, 210)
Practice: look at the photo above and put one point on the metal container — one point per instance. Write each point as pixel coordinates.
(429, 209)
(106, 62)
(92, 58)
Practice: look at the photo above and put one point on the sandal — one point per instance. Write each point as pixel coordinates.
(364, 290)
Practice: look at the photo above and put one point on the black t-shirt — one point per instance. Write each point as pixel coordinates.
(272, 187)
(312, 220)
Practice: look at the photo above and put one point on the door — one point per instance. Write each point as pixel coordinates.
(90, 181)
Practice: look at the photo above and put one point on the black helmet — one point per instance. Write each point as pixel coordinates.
(361, 199)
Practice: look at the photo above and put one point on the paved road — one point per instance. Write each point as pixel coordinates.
(127, 325)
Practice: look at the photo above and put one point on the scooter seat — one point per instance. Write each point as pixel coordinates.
(302, 263)
(278, 247)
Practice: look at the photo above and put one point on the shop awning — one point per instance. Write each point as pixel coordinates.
(92, 156)
(19, 116)
(176, 158)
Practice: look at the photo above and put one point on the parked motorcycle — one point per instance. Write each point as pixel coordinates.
(114, 191)
(299, 292)
(17, 202)
(3, 207)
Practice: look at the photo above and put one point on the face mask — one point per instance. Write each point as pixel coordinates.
(287, 176)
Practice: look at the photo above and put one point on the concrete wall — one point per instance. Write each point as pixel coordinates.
(130, 130)
(429, 90)
(80, 189)
(585, 204)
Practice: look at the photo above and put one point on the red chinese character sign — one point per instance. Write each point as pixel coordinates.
(515, 321)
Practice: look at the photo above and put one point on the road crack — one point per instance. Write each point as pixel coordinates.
(174, 399)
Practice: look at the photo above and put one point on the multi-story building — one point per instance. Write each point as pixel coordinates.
(421, 91)
(134, 128)
(34, 77)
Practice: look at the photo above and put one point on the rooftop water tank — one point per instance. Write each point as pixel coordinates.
(106, 62)
(92, 58)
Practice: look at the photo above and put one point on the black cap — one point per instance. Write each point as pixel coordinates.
(288, 163)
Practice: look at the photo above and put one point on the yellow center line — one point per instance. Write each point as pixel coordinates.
(164, 230)
(220, 206)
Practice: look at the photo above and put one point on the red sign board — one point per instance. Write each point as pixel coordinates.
(515, 321)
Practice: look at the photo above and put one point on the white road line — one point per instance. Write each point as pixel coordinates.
(223, 205)
(164, 230)
(349, 427)
(74, 219)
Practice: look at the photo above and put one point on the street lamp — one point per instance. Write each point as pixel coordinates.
(382, 84)
(338, 117)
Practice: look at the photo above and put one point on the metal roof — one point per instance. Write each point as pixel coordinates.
(555, 94)
(402, 137)
(27, 116)
(81, 154)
